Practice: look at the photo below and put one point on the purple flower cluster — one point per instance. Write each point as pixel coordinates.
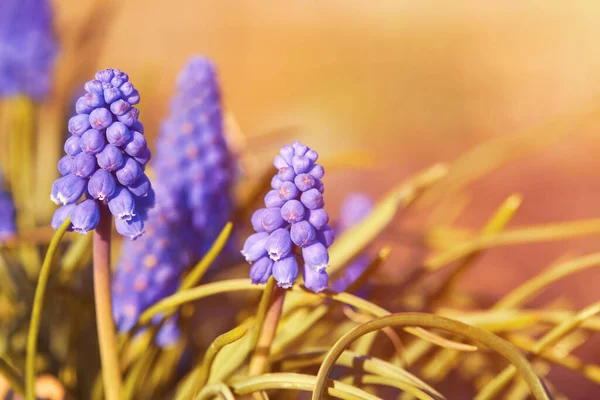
(193, 182)
(354, 209)
(105, 159)
(293, 219)
(27, 47)
(147, 272)
(193, 162)
(7, 214)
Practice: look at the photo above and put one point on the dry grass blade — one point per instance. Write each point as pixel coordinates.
(553, 336)
(439, 340)
(485, 338)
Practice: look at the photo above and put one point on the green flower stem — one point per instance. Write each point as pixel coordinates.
(36, 313)
(111, 373)
(260, 358)
(504, 348)
(13, 377)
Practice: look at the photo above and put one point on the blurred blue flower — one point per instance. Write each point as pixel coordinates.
(354, 208)
(101, 161)
(193, 182)
(28, 47)
(293, 220)
(7, 213)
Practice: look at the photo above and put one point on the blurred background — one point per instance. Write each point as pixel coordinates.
(412, 82)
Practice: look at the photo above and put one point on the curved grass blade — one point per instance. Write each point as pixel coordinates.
(485, 338)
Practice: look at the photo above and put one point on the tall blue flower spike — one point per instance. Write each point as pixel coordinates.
(293, 223)
(28, 48)
(105, 159)
(193, 181)
(355, 207)
(8, 227)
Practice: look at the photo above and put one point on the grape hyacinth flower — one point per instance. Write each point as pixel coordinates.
(354, 208)
(28, 48)
(105, 159)
(193, 183)
(7, 214)
(292, 223)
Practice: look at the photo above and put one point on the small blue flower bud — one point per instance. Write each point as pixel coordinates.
(72, 146)
(292, 211)
(117, 81)
(85, 216)
(111, 95)
(79, 124)
(65, 164)
(105, 75)
(254, 247)
(318, 218)
(287, 191)
(144, 156)
(319, 186)
(279, 244)
(285, 271)
(118, 134)
(326, 236)
(304, 182)
(84, 165)
(141, 186)
(136, 145)
(133, 98)
(287, 152)
(110, 158)
(129, 117)
(119, 107)
(61, 214)
(100, 118)
(93, 86)
(316, 256)
(312, 155)
(276, 182)
(132, 228)
(102, 185)
(256, 220)
(317, 281)
(92, 141)
(279, 162)
(67, 189)
(93, 100)
(303, 233)
(126, 88)
(312, 199)
(122, 204)
(301, 164)
(272, 199)
(271, 219)
(286, 174)
(317, 171)
(299, 148)
(81, 107)
(261, 270)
